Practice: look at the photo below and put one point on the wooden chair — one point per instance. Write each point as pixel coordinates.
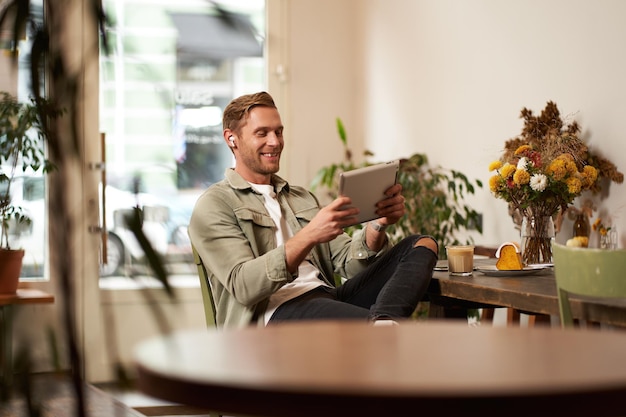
(587, 272)
(207, 294)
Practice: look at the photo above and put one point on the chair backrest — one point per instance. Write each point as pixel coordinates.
(207, 294)
(587, 272)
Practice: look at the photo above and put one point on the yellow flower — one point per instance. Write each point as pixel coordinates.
(494, 183)
(602, 229)
(507, 170)
(597, 223)
(590, 175)
(521, 177)
(495, 165)
(574, 185)
(522, 149)
(571, 168)
(557, 169)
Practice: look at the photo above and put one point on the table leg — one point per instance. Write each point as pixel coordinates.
(441, 312)
(6, 347)
(540, 319)
(512, 317)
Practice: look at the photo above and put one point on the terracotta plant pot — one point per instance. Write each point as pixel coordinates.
(10, 267)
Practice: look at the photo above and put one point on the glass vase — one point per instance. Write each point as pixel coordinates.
(608, 240)
(537, 235)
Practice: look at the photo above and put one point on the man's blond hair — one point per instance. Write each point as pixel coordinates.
(237, 112)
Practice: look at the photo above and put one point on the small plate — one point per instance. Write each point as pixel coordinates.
(442, 265)
(550, 265)
(492, 271)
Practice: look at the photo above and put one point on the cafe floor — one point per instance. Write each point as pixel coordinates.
(149, 406)
(53, 395)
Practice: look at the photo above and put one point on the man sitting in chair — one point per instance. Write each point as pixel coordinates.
(271, 251)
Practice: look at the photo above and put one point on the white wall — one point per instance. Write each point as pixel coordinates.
(322, 84)
(141, 312)
(449, 78)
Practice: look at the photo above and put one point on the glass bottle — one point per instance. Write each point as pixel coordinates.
(581, 226)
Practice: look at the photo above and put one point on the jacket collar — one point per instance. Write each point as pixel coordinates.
(237, 182)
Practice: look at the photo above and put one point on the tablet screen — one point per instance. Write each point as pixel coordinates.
(366, 187)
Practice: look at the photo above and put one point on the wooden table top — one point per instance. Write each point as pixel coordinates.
(26, 296)
(529, 293)
(355, 369)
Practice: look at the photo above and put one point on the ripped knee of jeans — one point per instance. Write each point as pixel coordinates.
(428, 242)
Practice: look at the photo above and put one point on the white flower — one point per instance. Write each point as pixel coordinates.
(523, 163)
(538, 182)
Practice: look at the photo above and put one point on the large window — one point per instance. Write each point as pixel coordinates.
(171, 69)
(28, 188)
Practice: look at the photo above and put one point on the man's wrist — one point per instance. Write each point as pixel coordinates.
(377, 226)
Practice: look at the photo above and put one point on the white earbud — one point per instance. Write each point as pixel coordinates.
(231, 139)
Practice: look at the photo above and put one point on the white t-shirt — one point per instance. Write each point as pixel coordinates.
(308, 274)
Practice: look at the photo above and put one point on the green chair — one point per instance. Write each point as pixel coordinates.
(207, 295)
(587, 272)
(207, 298)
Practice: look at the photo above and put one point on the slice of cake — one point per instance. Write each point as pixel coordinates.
(509, 257)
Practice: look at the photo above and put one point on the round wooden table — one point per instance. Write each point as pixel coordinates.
(355, 369)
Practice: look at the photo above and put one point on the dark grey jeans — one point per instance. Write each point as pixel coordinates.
(389, 288)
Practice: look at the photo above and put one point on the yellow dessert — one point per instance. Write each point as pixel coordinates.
(509, 257)
(578, 242)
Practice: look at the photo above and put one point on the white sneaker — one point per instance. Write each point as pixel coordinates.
(385, 322)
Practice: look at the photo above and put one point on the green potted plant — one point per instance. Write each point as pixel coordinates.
(434, 197)
(21, 151)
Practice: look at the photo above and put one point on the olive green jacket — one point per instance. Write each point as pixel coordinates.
(235, 238)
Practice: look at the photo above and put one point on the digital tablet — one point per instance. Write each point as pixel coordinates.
(366, 187)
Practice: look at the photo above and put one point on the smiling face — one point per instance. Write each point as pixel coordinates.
(258, 145)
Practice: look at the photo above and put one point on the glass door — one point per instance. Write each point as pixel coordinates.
(171, 70)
